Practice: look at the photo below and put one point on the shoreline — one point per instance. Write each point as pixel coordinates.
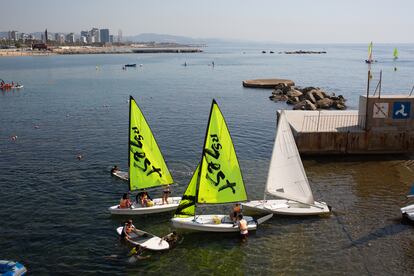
(88, 50)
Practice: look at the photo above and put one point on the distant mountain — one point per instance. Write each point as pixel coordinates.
(164, 38)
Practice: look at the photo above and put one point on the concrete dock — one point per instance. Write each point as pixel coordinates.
(382, 125)
(267, 83)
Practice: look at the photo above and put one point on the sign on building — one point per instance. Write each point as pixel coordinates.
(401, 110)
(380, 110)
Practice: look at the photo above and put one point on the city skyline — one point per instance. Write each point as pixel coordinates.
(297, 21)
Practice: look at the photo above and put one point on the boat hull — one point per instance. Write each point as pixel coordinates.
(407, 212)
(286, 207)
(146, 240)
(206, 223)
(137, 209)
(121, 175)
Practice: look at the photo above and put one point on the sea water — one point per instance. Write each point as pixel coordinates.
(53, 206)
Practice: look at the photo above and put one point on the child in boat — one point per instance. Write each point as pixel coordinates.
(146, 201)
(128, 229)
(244, 232)
(235, 212)
(125, 201)
(165, 194)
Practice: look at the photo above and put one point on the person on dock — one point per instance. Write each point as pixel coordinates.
(165, 194)
(125, 202)
(242, 223)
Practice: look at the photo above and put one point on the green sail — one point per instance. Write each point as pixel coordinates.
(186, 208)
(370, 51)
(147, 167)
(395, 53)
(220, 180)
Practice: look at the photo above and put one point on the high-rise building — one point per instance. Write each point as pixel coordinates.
(45, 37)
(104, 35)
(13, 35)
(70, 38)
(111, 39)
(119, 35)
(94, 33)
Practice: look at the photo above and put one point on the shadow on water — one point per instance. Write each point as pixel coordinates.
(395, 228)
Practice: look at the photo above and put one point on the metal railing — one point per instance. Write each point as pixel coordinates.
(336, 123)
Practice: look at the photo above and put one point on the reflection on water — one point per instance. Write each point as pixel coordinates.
(54, 206)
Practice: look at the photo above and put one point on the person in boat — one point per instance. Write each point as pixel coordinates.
(235, 212)
(114, 169)
(242, 223)
(125, 201)
(144, 199)
(128, 229)
(165, 194)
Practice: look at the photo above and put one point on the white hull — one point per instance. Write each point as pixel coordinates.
(207, 223)
(286, 207)
(121, 175)
(408, 212)
(146, 240)
(137, 209)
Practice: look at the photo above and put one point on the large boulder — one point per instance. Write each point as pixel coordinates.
(277, 92)
(310, 97)
(319, 94)
(292, 100)
(304, 105)
(294, 93)
(277, 98)
(325, 103)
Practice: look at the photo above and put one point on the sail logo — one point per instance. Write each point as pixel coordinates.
(212, 156)
(140, 159)
(401, 110)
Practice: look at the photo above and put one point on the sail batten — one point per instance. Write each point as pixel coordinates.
(287, 177)
(147, 167)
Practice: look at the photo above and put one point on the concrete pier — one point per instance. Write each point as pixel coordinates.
(267, 83)
(380, 126)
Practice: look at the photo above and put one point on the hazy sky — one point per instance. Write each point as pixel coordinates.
(314, 21)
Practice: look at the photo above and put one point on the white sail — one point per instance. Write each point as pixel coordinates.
(287, 178)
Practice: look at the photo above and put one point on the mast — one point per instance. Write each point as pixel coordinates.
(129, 141)
(202, 157)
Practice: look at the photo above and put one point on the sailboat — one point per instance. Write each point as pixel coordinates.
(287, 180)
(147, 167)
(216, 180)
(370, 59)
(395, 53)
(407, 212)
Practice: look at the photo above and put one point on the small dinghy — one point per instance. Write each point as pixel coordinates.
(216, 180)
(147, 167)
(10, 268)
(137, 209)
(287, 180)
(131, 65)
(146, 240)
(121, 175)
(407, 212)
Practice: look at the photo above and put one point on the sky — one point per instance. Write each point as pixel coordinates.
(288, 21)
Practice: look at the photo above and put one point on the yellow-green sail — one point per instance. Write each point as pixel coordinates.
(220, 178)
(147, 167)
(186, 208)
(395, 53)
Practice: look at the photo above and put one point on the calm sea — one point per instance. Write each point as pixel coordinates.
(53, 207)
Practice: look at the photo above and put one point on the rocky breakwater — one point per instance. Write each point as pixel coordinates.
(308, 98)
